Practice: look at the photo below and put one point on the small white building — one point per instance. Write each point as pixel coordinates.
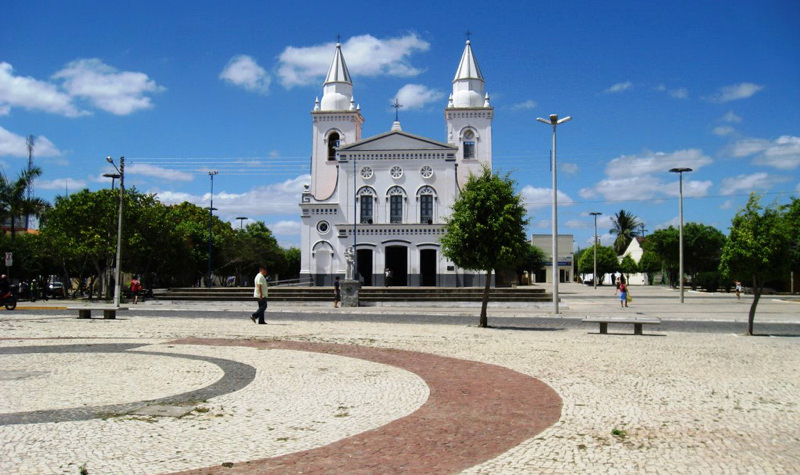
(565, 257)
(388, 196)
(635, 250)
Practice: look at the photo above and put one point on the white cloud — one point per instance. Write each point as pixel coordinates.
(783, 153)
(117, 92)
(748, 183)
(731, 118)
(32, 94)
(283, 199)
(735, 92)
(656, 163)
(285, 228)
(647, 177)
(61, 184)
(568, 168)
(619, 87)
(534, 198)
(365, 56)
(15, 145)
(157, 172)
(723, 130)
(680, 93)
(526, 105)
(417, 96)
(243, 71)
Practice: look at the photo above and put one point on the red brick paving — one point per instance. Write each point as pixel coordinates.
(475, 412)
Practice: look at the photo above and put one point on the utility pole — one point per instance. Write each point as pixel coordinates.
(29, 143)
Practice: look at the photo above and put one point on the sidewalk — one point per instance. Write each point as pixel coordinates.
(668, 402)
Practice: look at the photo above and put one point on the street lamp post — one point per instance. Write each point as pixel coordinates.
(211, 208)
(680, 172)
(555, 121)
(594, 271)
(241, 221)
(121, 172)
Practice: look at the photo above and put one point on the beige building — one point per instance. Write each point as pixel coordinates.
(565, 257)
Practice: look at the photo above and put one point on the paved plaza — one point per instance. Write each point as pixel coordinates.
(185, 387)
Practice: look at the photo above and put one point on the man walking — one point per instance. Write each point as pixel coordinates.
(260, 293)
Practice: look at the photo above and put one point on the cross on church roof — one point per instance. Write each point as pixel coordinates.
(469, 33)
(397, 107)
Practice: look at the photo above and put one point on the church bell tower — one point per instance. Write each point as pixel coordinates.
(337, 121)
(469, 117)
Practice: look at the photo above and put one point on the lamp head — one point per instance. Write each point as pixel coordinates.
(680, 170)
(109, 159)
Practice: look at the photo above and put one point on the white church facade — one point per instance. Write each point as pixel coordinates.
(388, 196)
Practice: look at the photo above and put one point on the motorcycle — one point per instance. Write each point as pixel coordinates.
(9, 300)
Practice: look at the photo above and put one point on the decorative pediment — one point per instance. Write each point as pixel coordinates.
(397, 141)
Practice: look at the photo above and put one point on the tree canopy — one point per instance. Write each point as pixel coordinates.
(758, 248)
(486, 229)
(625, 225)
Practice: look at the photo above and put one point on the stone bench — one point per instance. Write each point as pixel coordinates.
(109, 311)
(636, 322)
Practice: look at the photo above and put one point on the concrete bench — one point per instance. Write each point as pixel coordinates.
(109, 311)
(636, 322)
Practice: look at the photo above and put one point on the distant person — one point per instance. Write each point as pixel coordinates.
(387, 275)
(623, 294)
(738, 289)
(337, 292)
(260, 293)
(136, 289)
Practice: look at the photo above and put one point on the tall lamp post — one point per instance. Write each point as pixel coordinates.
(211, 209)
(121, 172)
(241, 221)
(680, 172)
(594, 271)
(555, 121)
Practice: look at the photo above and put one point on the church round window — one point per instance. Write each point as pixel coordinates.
(366, 173)
(426, 171)
(323, 227)
(396, 172)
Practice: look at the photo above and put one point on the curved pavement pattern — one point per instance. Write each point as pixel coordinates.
(475, 411)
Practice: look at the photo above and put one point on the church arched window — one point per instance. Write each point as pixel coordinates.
(426, 196)
(333, 145)
(366, 197)
(469, 144)
(397, 196)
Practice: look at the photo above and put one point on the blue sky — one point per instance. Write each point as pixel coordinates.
(181, 88)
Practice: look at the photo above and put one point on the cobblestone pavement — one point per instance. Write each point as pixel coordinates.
(665, 402)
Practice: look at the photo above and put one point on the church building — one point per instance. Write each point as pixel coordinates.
(384, 199)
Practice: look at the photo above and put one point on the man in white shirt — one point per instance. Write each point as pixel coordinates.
(260, 293)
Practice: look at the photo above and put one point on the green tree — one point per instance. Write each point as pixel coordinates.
(650, 264)
(702, 248)
(664, 243)
(628, 266)
(486, 230)
(625, 225)
(758, 248)
(14, 201)
(533, 260)
(792, 217)
(254, 246)
(606, 261)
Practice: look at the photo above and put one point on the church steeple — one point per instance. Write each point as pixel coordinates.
(468, 84)
(338, 88)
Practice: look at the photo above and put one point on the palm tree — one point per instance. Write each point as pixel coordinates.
(14, 201)
(625, 225)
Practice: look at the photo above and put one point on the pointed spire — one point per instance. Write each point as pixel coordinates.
(468, 67)
(338, 71)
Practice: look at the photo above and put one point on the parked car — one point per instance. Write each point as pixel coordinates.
(56, 289)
